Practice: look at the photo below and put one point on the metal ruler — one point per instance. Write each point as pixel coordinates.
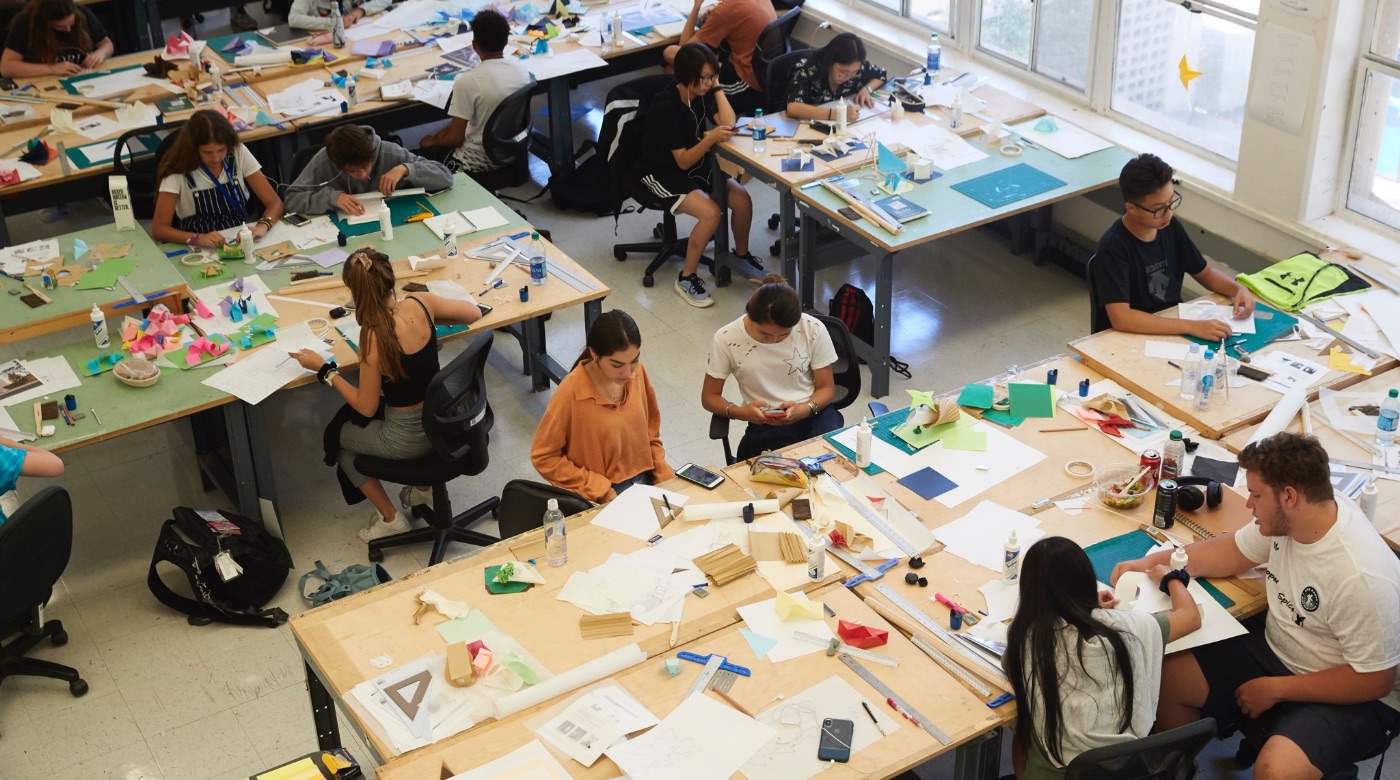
(131, 290)
(1354, 344)
(942, 633)
(1356, 464)
(865, 573)
(872, 517)
(896, 699)
(950, 666)
(842, 647)
(568, 277)
(724, 680)
(1375, 275)
(706, 675)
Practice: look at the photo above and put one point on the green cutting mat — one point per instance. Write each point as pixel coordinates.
(1135, 544)
(1265, 331)
(400, 209)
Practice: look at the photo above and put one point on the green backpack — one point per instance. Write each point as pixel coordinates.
(1302, 279)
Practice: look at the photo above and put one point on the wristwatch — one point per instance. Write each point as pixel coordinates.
(327, 372)
(1179, 575)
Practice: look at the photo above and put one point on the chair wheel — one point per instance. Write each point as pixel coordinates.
(774, 221)
(656, 230)
(376, 555)
(196, 620)
(78, 687)
(619, 255)
(648, 281)
(776, 249)
(59, 638)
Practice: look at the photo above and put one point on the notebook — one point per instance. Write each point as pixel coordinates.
(465, 221)
(900, 209)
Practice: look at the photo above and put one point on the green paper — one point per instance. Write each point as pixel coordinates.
(965, 439)
(521, 668)
(177, 356)
(1005, 419)
(1031, 399)
(105, 275)
(976, 396)
(466, 629)
(930, 434)
(504, 587)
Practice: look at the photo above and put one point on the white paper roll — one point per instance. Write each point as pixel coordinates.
(1282, 414)
(575, 678)
(274, 58)
(727, 509)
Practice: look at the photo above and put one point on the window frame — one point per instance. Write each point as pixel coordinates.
(1367, 62)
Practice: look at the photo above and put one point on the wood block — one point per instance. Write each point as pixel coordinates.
(801, 509)
(794, 550)
(726, 564)
(460, 672)
(601, 626)
(49, 409)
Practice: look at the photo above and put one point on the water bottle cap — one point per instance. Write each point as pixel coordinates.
(553, 505)
(534, 235)
(1176, 436)
(1195, 348)
(1394, 393)
(1210, 354)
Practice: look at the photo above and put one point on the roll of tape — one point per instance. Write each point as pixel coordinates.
(1012, 150)
(1079, 469)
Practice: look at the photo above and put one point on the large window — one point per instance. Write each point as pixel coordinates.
(937, 14)
(1374, 189)
(1050, 37)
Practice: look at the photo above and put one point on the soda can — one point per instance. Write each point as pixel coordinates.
(1151, 459)
(1164, 510)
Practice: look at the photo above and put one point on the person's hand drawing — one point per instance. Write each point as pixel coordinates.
(94, 59)
(862, 99)
(65, 69)
(349, 204)
(1210, 330)
(309, 360)
(1244, 303)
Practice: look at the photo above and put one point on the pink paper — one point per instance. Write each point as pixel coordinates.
(192, 356)
(130, 332)
(217, 348)
(202, 310)
(183, 319)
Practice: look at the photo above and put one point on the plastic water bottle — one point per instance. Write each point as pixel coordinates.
(1172, 456)
(617, 29)
(556, 536)
(99, 328)
(934, 61)
(1191, 372)
(386, 222)
(760, 132)
(1388, 419)
(538, 268)
(1207, 386)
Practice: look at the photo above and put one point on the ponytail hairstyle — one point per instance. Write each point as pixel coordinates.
(370, 278)
(612, 332)
(39, 15)
(774, 303)
(205, 126)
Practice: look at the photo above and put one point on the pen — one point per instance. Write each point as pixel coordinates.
(667, 501)
(494, 285)
(1173, 364)
(95, 417)
(906, 715)
(866, 707)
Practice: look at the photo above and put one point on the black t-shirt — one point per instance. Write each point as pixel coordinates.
(68, 51)
(672, 124)
(1145, 275)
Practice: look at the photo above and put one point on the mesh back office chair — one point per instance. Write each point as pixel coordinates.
(35, 543)
(1165, 756)
(774, 42)
(523, 504)
(845, 372)
(506, 138)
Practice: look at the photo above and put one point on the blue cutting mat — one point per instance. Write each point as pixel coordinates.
(1135, 544)
(1008, 185)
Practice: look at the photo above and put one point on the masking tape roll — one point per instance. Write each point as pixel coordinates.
(1079, 469)
(1012, 150)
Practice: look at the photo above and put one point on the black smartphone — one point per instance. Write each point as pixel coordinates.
(835, 744)
(296, 219)
(701, 476)
(485, 310)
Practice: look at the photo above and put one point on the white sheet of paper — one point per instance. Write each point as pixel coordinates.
(631, 512)
(1209, 310)
(1166, 350)
(364, 30)
(700, 739)
(96, 127)
(114, 83)
(593, 722)
(1005, 457)
(43, 249)
(762, 618)
(433, 92)
(257, 376)
(946, 150)
(456, 42)
(1002, 598)
(318, 232)
(563, 63)
(980, 535)
(54, 375)
(1289, 371)
(530, 761)
(1384, 308)
(1068, 141)
(796, 721)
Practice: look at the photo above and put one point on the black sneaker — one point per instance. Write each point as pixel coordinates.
(752, 260)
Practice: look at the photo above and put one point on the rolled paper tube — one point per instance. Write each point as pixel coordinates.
(577, 677)
(783, 496)
(1282, 414)
(726, 509)
(275, 58)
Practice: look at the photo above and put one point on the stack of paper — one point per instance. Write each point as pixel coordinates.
(699, 739)
(980, 535)
(462, 222)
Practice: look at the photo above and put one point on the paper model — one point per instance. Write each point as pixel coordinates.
(178, 46)
(857, 635)
(834, 146)
(843, 536)
(924, 411)
(794, 606)
(62, 121)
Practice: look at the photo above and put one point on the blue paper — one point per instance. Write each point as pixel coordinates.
(928, 484)
(790, 165)
(760, 645)
(1008, 185)
(889, 162)
(80, 248)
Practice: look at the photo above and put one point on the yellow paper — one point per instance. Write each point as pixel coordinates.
(1341, 361)
(792, 606)
(302, 769)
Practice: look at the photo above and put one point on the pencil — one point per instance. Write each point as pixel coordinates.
(1064, 428)
(736, 705)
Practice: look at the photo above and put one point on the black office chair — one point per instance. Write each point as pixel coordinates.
(779, 76)
(34, 546)
(506, 139)
(139, 168)
(845, 372)
(774, 42)
(1165, 756)
(523, 504)
(1098, 315)
(457, 421)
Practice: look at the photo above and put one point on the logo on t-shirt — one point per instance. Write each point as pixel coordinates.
(1311, 601)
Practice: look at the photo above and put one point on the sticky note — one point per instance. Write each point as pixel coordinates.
(927, 483)
(976, 396)
(1031, 399)
(1338, 360)
(465, 629)
(965, 439)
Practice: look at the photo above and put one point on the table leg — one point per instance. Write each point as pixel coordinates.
(884, 287)
(979, 758)
(561, 126)
(536, 353)
(787, 206)
(264, 485)
(4, 228)
(720, 192)
(245, 481)
(591, 311)
(323, 712)
(806, 260)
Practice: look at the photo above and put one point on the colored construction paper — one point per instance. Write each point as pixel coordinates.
(192, 356)
(928, 484)
(1004, 419)
(758, 643)
(790, 165)
(80, 248)
(796, 606)
(976, 396)
(1031, 399)
(104, 276)
(965, 439)
(465, 629)
(888, 160)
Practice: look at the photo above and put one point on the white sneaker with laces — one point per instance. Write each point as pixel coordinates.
(410, 496)
(693, 291)
(377, 528)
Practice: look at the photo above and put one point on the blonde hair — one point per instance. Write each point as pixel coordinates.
(370, 277)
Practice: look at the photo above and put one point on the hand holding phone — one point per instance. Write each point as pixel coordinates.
(774, 413)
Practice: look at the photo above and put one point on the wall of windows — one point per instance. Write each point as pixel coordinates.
(1374, 187)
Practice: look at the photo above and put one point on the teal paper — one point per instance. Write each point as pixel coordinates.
(889, 161)
(1008, 185)
(758, 643)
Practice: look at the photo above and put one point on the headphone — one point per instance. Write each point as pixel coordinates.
(1191, 498)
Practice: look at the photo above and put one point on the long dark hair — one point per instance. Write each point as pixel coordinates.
(774, 303)
(39, 16)
(1057, 587)
(840, 50)
(205, 126)
(612, 332)
(370, 278)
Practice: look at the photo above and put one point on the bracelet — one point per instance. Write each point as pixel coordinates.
(1179, 575)
(265, 222)
(324, 372)
(813, 407)
(727, 407)
(192, 239)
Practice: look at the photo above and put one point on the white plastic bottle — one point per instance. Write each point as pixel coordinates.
(539, 268)
(1011, 560)
(617, 29)
(863, 436)
(816, 556)
(1191, 372)
(245, 240)
(955, 112)
(1207, 386)
(386, 222)
(1179, 559)
(1172, 456)
(337, 27)
(216, 78)
(99, 328)
(556, 536)
(841, 115)
(1222, 372)
(1388, 419)
(1369, 496)
(760, 132)
(449, 240)
(934, 60)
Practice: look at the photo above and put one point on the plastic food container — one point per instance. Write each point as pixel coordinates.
(1116, 488)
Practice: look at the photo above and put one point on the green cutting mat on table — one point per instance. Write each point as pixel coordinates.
(883, 429)
(1130, 546)
(1265, 331)
(400, 209)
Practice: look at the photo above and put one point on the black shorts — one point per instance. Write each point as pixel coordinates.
(670, 187)
(1333, 736)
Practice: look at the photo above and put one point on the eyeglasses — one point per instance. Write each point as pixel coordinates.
(709, 77)
(1160, 211)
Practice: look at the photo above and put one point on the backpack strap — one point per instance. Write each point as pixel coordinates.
(206, 608)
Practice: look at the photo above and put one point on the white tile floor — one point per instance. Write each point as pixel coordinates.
(178, 702)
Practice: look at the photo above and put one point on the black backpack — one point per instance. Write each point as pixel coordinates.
(853, 307)
(192, 539)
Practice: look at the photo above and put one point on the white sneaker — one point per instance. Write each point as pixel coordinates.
(693, 291)
(411, 496)
(377, 528)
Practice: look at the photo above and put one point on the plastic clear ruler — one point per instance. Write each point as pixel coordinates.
(950, 666)
(842, 647)
(942, 633)
(582, 285)
(706, 675)
(131, 289)
(874, 518)
(888, 693)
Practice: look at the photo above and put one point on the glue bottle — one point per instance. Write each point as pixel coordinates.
(1011, 560)
(556, 542)
(955, 112)
(1179, 559)
(449, 239)
(816, 555)
(245, 240)
(841, 115)
(386, 222)
(216, 78)
(1369, 494)
(99, 328)
(863, 434)
(617, 29)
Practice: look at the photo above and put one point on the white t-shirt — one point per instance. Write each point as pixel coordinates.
(772, 372)
(204, 197)
(1333, 602)
(475, 95)
(1091, 705)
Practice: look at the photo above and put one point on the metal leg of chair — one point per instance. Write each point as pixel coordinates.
(322, 712)
(591, 311)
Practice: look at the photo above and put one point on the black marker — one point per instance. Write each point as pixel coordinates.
(866, 707)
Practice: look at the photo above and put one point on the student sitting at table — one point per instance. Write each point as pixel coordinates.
(677, 168)
(206, 177)
(837, 70)
(17, 460)
(601, 433)
(1319, 682)
(1087, 674)
(54, 38)
(475, 96)
(737, 23)
(316, 14)
(1143, 257)
(782, 361)
(355, 160)
(398, 357)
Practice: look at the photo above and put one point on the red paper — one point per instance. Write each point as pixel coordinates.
(857, 635)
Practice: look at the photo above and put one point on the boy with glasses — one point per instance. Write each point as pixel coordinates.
(1143, 257)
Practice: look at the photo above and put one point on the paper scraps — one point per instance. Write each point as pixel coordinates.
(759, 644)
(797, 606)
(1337, 360)
(38, 153)
(430, 599)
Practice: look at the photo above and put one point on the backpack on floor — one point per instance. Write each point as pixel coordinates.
(352, 579)
(192, 540)
(853, 307)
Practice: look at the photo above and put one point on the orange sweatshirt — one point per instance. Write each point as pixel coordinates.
(586, 443)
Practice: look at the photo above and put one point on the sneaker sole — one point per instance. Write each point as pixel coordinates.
(686, 297)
